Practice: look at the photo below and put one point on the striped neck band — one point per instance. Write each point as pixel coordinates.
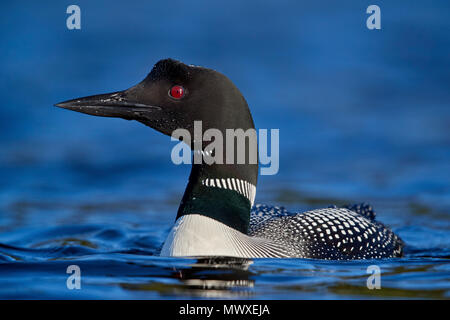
(243, 187)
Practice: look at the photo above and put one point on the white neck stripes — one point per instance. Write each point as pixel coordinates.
(243, 187)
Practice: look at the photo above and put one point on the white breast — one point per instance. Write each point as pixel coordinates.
(197, 235)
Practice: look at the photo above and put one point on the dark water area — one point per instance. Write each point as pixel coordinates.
(364, 116)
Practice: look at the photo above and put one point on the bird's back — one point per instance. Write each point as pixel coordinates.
(330, 233)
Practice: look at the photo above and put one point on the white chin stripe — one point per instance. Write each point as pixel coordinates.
(243, 187)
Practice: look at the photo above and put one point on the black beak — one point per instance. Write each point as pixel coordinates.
(115, 104)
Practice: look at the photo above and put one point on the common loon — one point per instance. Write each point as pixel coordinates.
(217, 215)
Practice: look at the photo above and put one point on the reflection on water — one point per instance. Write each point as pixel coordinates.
(213, 277)
(219, 277)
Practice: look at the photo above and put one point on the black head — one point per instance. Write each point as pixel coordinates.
(173, 96)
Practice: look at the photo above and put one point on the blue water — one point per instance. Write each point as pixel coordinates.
(363, 116)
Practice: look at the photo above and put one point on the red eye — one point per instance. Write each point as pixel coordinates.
(176, 92)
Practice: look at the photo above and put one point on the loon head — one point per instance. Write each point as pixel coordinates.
(173, 96)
